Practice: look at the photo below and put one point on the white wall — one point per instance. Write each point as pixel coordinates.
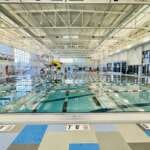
(132, 56)
(120, 57)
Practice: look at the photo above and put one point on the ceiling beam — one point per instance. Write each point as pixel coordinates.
(119, 24)
(76, 18)
(65, 11)
(61, 18)
(68, 50)
(19, 22)
(75, 27)
(79, 1)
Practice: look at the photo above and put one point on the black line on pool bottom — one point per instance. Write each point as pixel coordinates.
(65, 106)
(53, 100)
(122, 106)
(95, 100)
(72, 97)
(102, 110)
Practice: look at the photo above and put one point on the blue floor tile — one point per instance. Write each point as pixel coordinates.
(84, 146)
(31, 134)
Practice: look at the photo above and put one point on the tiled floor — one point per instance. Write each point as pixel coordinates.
(140, 146)
(23, 147)
(132, 133)
(55, 137)
(112, 141)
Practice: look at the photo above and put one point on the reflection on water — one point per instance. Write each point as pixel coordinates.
(83, 92)
(14, 90)
(76, 81)
(23, 85)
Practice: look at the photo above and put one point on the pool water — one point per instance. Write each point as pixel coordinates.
(88, 92)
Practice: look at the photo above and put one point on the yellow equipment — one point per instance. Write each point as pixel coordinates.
(56, 63)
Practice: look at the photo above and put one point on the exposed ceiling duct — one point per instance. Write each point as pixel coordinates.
(75, 29)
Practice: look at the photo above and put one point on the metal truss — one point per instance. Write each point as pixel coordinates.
(80, 1)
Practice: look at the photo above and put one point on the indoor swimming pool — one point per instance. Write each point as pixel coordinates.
(82, 93)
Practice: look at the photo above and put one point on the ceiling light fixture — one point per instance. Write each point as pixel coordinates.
(65, 37)
(75, 37)
(72, 37)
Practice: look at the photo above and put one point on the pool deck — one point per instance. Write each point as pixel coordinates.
(102, 136)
